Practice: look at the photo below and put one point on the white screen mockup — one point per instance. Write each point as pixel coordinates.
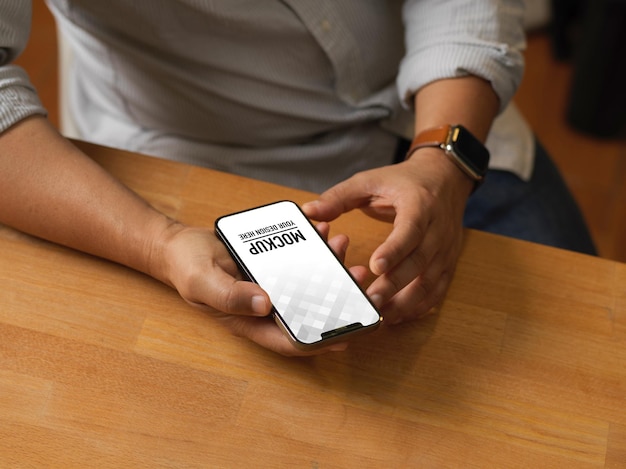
(308, 286)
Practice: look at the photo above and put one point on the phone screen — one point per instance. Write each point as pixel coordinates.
(315, 299)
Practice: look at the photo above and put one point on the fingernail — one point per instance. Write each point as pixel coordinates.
(309, 205)
(381, 266)
(377, 299)
(259, 305)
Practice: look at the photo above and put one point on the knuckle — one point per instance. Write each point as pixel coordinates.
(419, 259)
(227, 299)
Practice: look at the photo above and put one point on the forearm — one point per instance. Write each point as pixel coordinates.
(469, 101)
(52, 190)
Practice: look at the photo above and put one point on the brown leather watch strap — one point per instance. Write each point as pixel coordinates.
(434, 137)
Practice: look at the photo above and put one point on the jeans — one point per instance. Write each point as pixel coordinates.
(541, 210)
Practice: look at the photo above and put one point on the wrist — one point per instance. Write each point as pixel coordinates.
(459, 145)
(448, 174)
(163, 234)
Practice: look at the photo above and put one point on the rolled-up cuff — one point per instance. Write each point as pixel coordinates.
(18, 97)
(499, 64)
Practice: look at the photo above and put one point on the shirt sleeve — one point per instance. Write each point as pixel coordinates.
(449, 39)
(18, 98)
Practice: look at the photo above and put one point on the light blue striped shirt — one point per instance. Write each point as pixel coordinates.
(299, 92)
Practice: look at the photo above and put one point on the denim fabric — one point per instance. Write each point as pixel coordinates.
(541, 210)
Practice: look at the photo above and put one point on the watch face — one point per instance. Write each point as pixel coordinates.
(470, 150)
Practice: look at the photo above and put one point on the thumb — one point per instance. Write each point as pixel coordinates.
(229, 295)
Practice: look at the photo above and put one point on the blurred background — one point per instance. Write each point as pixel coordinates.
(572, 95)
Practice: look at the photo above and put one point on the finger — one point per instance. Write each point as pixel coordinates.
(265, 332)
(441, 277)
(411, 267)
(403, 241)
(339, 245)
(409, 229)
(422, 294)
(341, 198)
(323, 229)
(359, 273)
(407, 306)
(435, 298)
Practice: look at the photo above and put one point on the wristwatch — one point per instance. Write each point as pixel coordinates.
(458, 143)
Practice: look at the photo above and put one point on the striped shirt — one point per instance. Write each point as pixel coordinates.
(299, 92)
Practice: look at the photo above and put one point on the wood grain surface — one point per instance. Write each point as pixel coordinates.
(523, 365)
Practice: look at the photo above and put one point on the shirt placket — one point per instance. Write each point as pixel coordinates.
(332, 35)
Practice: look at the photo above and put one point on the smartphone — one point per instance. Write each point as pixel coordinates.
(315, 299)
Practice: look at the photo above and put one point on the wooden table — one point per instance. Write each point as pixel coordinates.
(100, 366)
